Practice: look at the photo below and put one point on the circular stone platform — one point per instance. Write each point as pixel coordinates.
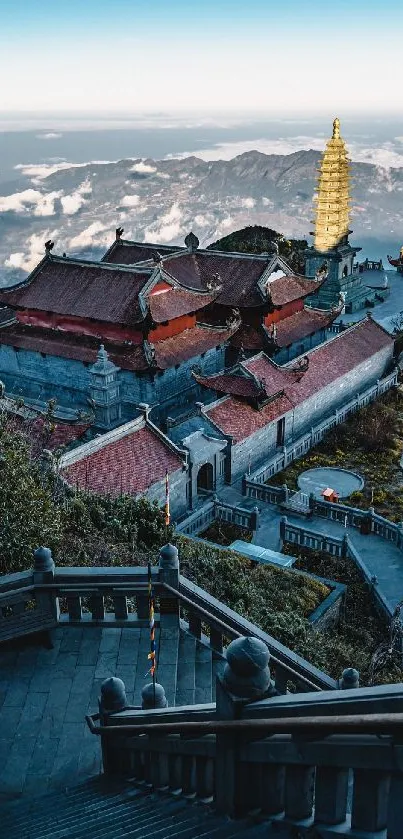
(342, 481)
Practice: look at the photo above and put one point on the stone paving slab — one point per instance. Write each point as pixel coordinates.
(45, 695)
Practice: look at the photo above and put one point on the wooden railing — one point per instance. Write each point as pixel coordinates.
(331, 761)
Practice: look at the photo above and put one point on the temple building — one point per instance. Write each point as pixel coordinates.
(110, 335)
(261, 408)
(331, 258)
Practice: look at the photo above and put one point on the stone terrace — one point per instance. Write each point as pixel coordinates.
(45, 694)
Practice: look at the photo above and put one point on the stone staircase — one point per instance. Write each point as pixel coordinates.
(187, 668)
(120, 810)
(298, 503)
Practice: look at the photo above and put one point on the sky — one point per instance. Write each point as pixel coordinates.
(222, 56)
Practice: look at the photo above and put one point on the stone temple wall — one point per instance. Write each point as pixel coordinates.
(177, 493)
(337, 393)
(252, 451)
(42, 377)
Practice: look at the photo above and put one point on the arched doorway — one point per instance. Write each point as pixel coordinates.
(205, 478)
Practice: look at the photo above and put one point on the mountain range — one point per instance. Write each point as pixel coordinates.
(80, 205)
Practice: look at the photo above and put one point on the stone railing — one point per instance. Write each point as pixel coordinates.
(309, 764)
(288, 454)
(118, 597)
(215, 509)
(335, 546)
(367, 521)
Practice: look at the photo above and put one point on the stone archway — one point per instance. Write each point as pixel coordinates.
(205, 478)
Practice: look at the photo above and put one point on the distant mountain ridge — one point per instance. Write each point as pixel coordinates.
(80, 206)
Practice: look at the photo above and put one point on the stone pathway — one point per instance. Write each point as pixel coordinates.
(382, 559)
(45, 695)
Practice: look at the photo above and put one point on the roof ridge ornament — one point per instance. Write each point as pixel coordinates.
(119, 233)
(49, 245)
(192, 242)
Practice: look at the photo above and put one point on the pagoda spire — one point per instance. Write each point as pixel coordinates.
(333, 194)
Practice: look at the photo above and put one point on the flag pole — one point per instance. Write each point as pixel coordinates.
(167, 510)
(151, 655)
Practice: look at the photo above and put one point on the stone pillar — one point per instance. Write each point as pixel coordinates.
(283, 525)
(344, 546)
(350, 678)
(169, 574)
(246, 678)
(286, 493)
(105, 391)
(254, 519)
(153, 696)
(44, 573)
(112, 700)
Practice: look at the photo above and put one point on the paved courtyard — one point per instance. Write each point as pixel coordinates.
(382, 558)
(45, 695)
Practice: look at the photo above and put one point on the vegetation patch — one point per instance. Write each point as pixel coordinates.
(224, 533)
(363, 635)
(370, 443)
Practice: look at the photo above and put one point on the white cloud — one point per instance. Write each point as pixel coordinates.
(267, 202)
(39, 171)
(130, 201)
(167, 228)
(51, 135)
(71, 204)
(28, 260)
(20, 202)
(143, 168)
(248, 203)
(96, 234)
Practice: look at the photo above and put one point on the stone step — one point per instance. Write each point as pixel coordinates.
(95, 811)
(203, 674)
(185, 681)
(167, 661)
(55, 815)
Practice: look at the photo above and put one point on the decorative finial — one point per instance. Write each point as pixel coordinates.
(191, 242)
(336, 129)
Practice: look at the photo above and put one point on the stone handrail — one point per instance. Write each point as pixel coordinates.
(224, 623)
(289, 763)
(118, 596)
(335, 546)
(283, 458)
(215, 509)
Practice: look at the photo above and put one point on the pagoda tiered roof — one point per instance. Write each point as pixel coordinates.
(333, 194)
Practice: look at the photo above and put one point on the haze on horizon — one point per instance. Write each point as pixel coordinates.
(208, 55)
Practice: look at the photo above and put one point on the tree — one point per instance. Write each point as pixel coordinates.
(28, 515)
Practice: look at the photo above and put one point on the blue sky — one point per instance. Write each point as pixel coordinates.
(216, 55)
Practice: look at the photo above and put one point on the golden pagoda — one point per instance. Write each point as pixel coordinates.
(333, 194)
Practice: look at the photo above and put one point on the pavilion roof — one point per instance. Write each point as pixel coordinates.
(302, 323)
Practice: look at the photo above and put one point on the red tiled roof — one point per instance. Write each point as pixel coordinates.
(128, 253)
(189, 344)
(301, 324)
(239, 275)
(226, 383)
(60, 435)
(286, 289)
(66, 345)
(130, 465)
(86, 290)
(176, 302)
(240, 420)
(328, 362)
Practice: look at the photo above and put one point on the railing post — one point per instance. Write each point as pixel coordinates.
(254, 519)
(169, 574)
(283, 525)
(113, 699)
(350, 678)
(246, 678)
(44, 573)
